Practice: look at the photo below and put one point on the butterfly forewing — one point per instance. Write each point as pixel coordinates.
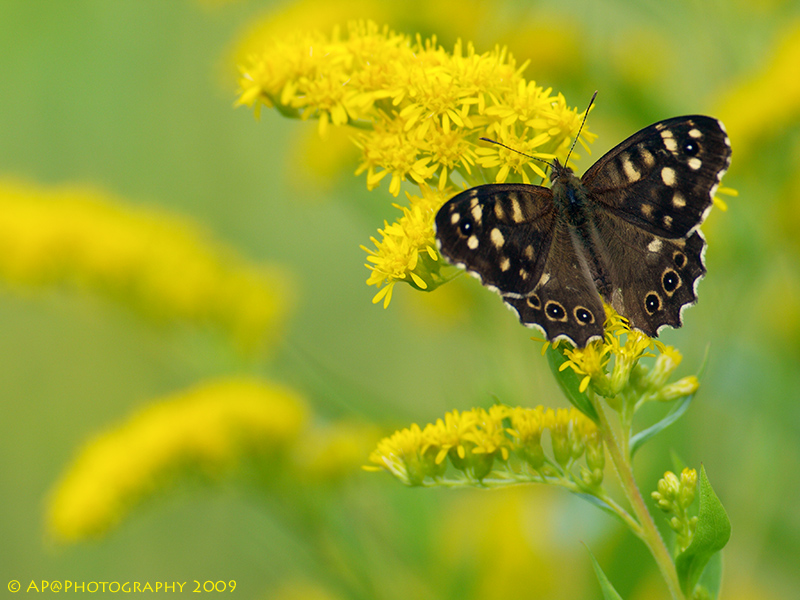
(500, 233)
(663, 177)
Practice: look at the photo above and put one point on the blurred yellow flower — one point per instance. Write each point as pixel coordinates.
(331, 453)
(206, 430)
(775, 111)
(159, 263)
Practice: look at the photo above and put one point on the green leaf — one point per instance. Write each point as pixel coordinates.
(712, 533)
(711, 579)
(609, 593)
(638, 440)
(570, 384)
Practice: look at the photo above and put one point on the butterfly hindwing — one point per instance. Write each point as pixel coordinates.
(663, 178)
(564, 302)
(652, 279)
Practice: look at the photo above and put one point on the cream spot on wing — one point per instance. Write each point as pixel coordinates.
(655, 245)
(477, 213)
(455, 218)
(497, 238)
(524, 274)
(647, 210)
(670, 144)
(529, 252)
(505, 264)
(472, 242)
(668, 176)
(667, 221)
(695, 133)
(647, 157)
(695, 163)
(498, 211)
(516, 210)
(545, 278)
(630, 171)
(678, 201)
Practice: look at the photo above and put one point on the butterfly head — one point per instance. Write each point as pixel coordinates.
(559, 171)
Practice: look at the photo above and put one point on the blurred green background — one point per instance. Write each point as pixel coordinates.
(137, 97)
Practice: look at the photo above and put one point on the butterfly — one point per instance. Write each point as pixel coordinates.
(627, 232)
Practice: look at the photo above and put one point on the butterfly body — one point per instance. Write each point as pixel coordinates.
(626, 232)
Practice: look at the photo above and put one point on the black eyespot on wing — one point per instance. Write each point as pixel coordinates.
(652, 303)
(583, 316)
(670, 280)
(534, 302)
(691, 148)
(555, 311)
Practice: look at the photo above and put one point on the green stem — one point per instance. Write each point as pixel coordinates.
(618, 447)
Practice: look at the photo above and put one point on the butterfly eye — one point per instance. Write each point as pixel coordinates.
(690, 147)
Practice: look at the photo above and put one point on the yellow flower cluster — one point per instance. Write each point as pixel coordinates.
(626, 346)
(480, 444)
(206, 430)
(159, 263)
(407, 250)
(418, 112)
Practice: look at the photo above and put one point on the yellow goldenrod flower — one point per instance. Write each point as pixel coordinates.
(568, 431)
(407, 250)
(526, 430)
(418, 111)
(159, 263)
(625, 345)
(408, 456)
(667, 361)
(589, 361)
(675, 391)
(206, 430)
(477, 444)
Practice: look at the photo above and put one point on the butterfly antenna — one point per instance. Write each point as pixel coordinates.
(491, 141)
(583, 122)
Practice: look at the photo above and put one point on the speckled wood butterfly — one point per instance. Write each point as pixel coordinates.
(626, 232)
